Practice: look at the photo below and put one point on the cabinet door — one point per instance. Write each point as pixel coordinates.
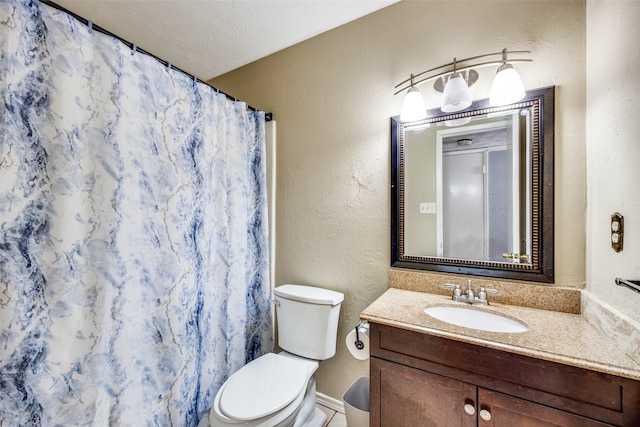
(500, 410)
(406, 397)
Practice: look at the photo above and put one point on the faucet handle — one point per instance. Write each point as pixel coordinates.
(482, 295)
(456, 289)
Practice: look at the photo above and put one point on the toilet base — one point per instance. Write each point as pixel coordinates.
(310, 415)
(317, 419)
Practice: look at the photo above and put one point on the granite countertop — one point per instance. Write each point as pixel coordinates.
(554, 336)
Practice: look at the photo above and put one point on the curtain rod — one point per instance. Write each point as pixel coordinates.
(267, 116)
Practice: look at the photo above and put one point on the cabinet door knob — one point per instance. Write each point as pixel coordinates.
(485, 415)
(469, 409)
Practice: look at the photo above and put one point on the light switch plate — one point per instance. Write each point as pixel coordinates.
(428, 208)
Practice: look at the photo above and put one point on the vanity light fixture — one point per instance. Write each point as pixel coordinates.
(507, 86)
(456, 95)
(455, 78)
(413, 105)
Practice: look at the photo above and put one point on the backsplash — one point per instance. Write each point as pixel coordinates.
(565, 300)
(623, 331)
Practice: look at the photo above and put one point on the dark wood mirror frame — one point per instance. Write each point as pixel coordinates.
(541, 268)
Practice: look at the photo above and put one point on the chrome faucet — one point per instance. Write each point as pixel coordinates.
(469, 295)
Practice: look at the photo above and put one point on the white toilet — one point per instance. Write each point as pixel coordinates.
(279, 389)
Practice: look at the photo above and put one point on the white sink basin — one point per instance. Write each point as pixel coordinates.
(475, 319)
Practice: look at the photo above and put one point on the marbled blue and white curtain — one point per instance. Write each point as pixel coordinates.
(133, 231)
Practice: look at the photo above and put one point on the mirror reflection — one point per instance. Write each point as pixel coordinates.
(469, 189)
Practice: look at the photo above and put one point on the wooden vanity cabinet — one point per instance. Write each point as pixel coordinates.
(423, 380)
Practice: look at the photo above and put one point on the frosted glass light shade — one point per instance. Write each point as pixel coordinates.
(507, 87)
(456, 95)
(413, 107)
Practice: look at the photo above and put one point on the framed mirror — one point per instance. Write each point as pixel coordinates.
(472, 192)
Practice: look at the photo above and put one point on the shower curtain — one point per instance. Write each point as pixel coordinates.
(134, 267)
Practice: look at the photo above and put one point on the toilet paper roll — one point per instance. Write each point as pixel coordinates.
(363, 334)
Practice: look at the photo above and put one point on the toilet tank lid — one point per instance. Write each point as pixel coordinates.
(309, 294)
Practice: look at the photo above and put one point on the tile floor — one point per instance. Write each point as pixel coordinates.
(334, 419)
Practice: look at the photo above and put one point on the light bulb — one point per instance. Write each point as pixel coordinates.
(413, 106)
(456, 95)
(507, 87)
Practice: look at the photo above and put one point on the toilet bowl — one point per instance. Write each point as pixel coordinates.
(279, 390)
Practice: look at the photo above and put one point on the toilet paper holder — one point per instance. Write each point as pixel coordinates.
(358, 343)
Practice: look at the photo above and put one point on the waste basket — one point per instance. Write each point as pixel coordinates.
(356, 403)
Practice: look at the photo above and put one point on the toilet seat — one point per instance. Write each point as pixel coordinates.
(263, 386)
(264, 391)
(282, 417)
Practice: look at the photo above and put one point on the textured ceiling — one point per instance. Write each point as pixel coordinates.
(208, 38)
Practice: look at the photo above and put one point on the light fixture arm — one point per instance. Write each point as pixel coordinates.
(456, 65)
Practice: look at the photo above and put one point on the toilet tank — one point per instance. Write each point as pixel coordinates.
(307, 319)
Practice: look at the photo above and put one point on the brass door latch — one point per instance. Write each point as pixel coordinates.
(518, 257)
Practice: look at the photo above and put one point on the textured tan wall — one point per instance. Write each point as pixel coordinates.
(613, 149)
(332, 97)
